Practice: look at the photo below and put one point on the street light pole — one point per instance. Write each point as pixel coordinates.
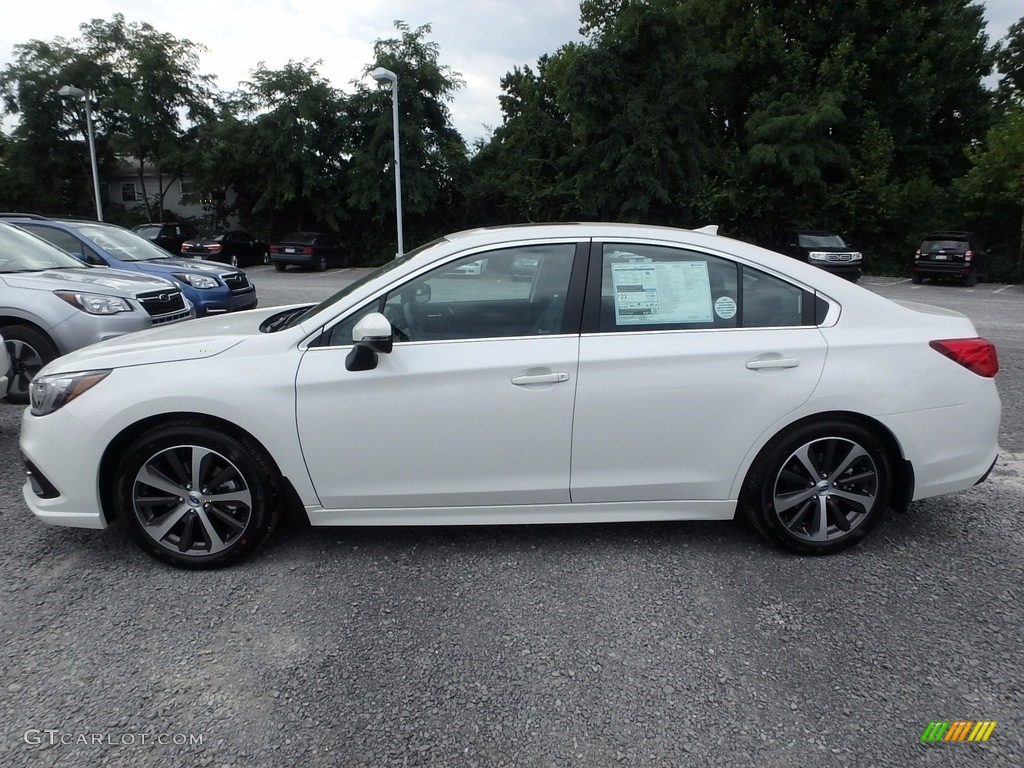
(72, 92)
(382, 75)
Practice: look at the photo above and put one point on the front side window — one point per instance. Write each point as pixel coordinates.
(518, 291)
(649, 287)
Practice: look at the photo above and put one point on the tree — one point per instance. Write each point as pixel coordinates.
(433, 154)
(997, 175)
(281, 141)
(520, 173)
(148, 79)
(1010, 63)
(142, 82)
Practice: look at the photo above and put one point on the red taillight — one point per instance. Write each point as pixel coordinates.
(274, 249)
(976, 355)
(215, 247)
(307, 251)
(969, 255)
(186, 246)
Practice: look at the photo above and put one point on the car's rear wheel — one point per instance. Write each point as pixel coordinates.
(265, 257)
(320, 263)
(819, 487)
(196, 496)
(916, 279)
(29, 350)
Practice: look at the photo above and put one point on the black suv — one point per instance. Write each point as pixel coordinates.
(821, 249)
(169, 235)
(957, 255)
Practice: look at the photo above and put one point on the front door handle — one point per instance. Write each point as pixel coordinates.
(778, 362)
(541, 378)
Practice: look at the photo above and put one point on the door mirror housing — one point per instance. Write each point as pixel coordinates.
(372, 335)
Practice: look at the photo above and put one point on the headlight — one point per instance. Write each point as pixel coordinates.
(95, 303)
(197, 281)
(48, 393)
(817, 256)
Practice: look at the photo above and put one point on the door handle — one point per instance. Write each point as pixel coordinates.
(541, 378)
(778, 362)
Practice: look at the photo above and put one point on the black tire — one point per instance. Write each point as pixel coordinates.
(30, 350)
(233, 260)
(265, 257)
(972, 279)
(320, 263)
(280, 267)
(825, 510)
(171, 519)
(916, 279)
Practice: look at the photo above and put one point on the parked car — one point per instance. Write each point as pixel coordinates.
(168, 235)
(957, 255)
(318, 250)
(235, 248)
(826, 250)
(212, 289)
(51, 304)
(681, 375)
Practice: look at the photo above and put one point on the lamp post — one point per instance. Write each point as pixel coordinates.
(382, 75)
(69, 91)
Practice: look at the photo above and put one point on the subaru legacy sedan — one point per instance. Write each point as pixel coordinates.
(641, 373)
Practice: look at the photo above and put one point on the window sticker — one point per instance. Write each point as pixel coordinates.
(648, 293)
(725, 308)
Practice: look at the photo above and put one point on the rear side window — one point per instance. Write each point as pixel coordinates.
(958, 246)
(645, 288)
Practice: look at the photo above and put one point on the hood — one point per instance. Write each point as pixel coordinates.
(189, 265)
(190, 340)
(111, 282)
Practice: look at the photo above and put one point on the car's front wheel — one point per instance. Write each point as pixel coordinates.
(29, 350)
(819, 487)
(196, 496)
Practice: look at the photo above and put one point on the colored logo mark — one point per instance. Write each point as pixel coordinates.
(958, 730)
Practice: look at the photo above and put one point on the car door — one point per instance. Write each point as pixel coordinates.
(686, 359)
(472, 407)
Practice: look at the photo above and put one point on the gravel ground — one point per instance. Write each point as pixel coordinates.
(648, 644)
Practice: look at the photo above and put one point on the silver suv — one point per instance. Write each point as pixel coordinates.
(51, 304)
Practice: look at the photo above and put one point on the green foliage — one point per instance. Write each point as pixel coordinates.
(140, 78)
(996, 179)
(432, 153)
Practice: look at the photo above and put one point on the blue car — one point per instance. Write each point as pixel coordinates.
(212, 288)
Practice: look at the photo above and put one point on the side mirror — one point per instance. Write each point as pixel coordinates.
(372, 335)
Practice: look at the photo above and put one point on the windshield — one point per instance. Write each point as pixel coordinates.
(822, 241)
(21, 251)
(301, 317)
(121, 244)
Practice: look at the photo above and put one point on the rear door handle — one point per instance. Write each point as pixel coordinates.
(778, 362)
(541, 378)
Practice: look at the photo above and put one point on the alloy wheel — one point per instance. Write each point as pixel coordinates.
(192, 500)
(825, 489)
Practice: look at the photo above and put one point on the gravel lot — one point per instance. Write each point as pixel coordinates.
(648, 644)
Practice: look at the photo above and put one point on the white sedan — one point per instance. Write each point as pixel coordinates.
(642, 373)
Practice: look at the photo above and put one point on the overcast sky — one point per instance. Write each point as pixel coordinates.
(481, 39)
